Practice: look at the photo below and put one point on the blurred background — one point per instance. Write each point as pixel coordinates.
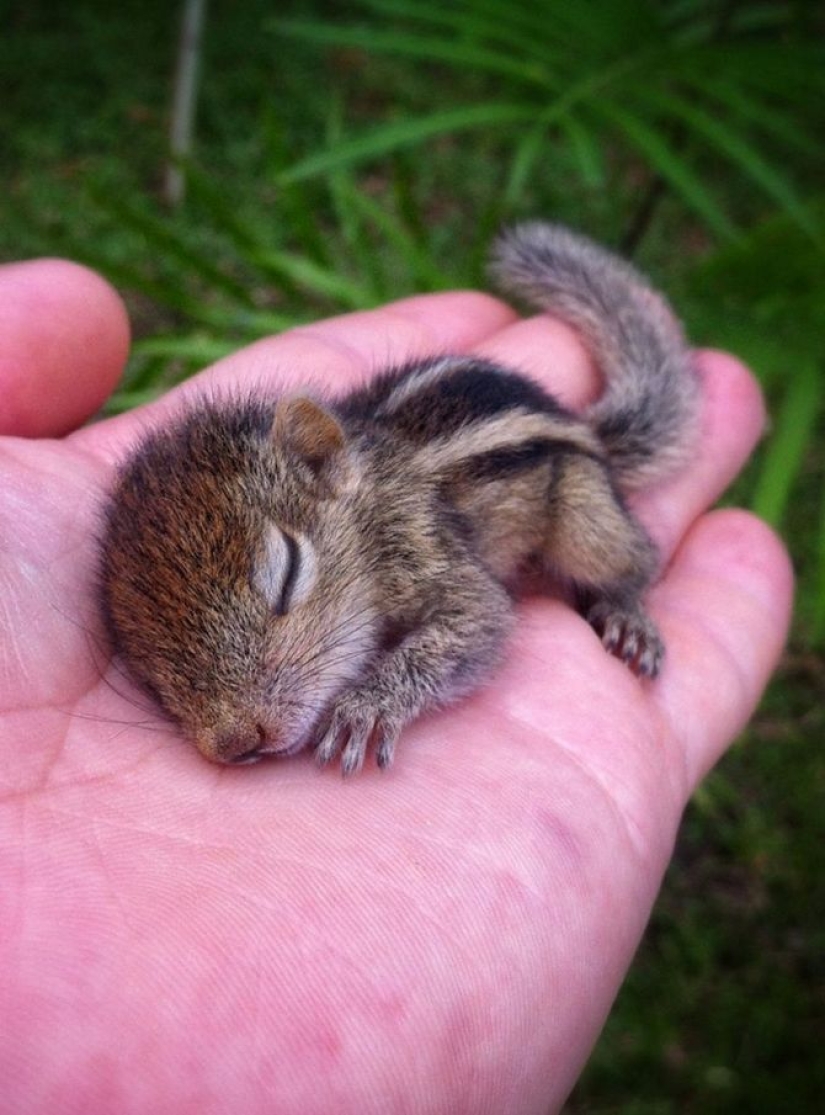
(332, 157)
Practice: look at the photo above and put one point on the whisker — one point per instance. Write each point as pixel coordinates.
(143, 725)
(149, 709)
(104, 660)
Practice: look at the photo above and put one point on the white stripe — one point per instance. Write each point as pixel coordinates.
(503, 432)
(418, 380)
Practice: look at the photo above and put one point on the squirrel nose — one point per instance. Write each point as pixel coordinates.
(238, 746)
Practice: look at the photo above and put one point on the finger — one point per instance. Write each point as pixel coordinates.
(550, 352)
(330, 356)
(732, 422)
(725, 606)
(336, 353)
(65, 337)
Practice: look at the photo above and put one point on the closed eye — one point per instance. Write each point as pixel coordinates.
(285, 571)
(293, 568)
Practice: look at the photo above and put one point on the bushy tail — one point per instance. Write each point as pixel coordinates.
(646, 414)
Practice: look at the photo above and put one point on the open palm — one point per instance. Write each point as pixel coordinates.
(445, 937)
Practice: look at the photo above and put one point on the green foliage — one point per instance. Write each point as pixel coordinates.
(650, 77)
(763, 298)
(367, 254)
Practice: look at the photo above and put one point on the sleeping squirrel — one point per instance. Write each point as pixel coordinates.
(292, 572)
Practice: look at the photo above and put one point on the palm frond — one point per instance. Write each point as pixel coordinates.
(383, 141)
(672, 166)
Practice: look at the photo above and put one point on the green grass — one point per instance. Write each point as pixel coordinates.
(345, 158)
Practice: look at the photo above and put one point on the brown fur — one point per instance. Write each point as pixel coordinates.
(289, 573)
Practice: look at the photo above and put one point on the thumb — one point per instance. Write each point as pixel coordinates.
(64, 338)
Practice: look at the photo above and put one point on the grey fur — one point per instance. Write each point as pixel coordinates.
(290, 573)
(646, 414)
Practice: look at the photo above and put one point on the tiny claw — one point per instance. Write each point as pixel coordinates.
(356, 724)
(630, 646)
(352, 757)
(642, 651)
(630, 636)
(612, 637)
(327, 749)
(650, 661)
(385, 751)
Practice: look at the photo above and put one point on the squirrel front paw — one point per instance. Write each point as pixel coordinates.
(629, 634)
(357, 721)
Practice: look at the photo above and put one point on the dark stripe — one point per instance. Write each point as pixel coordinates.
(467, 392)
(511, 459)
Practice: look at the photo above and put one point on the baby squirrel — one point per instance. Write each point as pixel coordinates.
(290, 572)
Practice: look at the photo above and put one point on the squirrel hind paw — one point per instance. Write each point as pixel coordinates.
(630, 635)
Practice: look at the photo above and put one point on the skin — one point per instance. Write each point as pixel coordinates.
(446, 937)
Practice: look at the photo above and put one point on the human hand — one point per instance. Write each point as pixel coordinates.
(444, 937)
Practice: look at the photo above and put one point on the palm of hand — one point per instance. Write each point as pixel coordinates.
(447, 936)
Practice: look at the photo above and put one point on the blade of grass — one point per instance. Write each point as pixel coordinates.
(791, 435)
(427, 47)
(485, 225)
(778, 124)
(341, 187)
(406, 132)
(163, 238)
(405, 174)
(528, 149)
(294, 212)
(587, 150)
(222, 212)
(319, 280)
(793, 77)
(471, 24)
(199, 350)
(588, 31)
(165, 294)
(817, 618)
(418, 259)
(735, 147)
(143, 373)
(670, 165)
(249, 243)
(751, 17)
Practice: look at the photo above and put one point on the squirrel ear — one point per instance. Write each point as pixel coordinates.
(313, 435)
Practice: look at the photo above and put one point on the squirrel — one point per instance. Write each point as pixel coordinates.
(287, 572)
